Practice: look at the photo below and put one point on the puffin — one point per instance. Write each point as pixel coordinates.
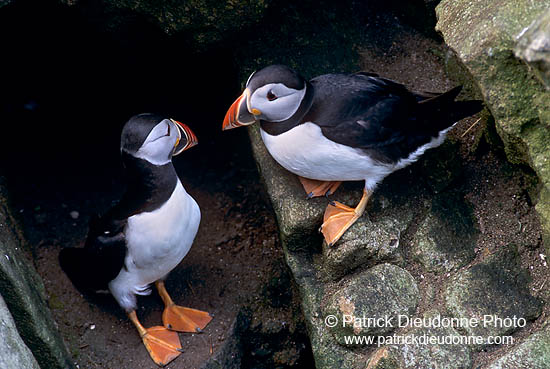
(145, 235)
(344, 127)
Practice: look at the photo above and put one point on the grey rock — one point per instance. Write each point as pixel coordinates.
(415, 353)
(532, 353)
(230, 355)
(14, 354)
(483, 35)
(327, 352)
(203, 22)
(440, 167)
(447, 237)
(24, 293)
(298, 218)
(382, 292)
(533, 47)
(368, 243)
(494, 289)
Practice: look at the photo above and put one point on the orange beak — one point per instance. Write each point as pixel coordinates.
(238, 114)
(186, 140)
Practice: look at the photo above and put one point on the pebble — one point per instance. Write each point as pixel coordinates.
(74, 214)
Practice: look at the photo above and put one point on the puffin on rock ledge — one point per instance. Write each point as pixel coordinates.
(146, 235)
(344, 127)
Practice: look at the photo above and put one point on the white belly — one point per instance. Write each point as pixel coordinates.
(304, 151)
(157, 241)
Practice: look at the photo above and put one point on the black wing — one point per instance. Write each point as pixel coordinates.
(381, 116)
(92, 267)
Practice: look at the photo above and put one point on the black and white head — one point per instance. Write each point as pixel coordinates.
(155, 138)
(272, 94)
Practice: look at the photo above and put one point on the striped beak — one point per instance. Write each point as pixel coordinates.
(186, 138)
(238, 114)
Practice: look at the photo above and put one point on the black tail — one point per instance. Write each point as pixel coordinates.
(442, 111)
(80, 267)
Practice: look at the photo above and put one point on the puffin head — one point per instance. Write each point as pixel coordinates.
(272, 94)
(155, 138)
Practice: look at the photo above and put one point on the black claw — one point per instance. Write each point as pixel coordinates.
(169, 326)
(310, 195)
(198, 330)
(210, 315)
(330, 244)
(332, 203)
(179, 350)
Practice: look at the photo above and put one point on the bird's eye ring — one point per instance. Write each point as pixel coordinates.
(271, 96)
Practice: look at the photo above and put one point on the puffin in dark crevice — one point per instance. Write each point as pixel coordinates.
(344, 127)
(145, 235)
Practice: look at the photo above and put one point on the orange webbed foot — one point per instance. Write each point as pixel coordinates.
(183, 319)
(339, 217)
(315, 188)
(162, 344)
(179, 318)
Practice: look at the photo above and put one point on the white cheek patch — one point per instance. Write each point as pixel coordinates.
(287, 103)
(158, 146)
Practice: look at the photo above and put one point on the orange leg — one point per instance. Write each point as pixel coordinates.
(316, 188)
(339, 217)
(179, 318)
(162, 344)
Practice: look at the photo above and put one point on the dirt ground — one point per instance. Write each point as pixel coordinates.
(230, 261)
(58, 180)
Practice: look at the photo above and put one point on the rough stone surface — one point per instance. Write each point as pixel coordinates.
(532, 353)
(533, 47)
(484, 35)
(24, 294)
(383, 291)
(543, 209)
(354, 249)
(298, 218)
(495, 287)
(418, 355)
(446, 238)
(442, 166)
(327, 352)
(202, 22)
(13, 351)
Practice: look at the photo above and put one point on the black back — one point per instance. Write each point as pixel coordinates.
(375, 114)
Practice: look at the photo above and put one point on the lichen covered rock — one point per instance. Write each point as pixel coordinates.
(532, 353)
(415, 353)
(382, 293)
(24, 293)
(447, 236)
(533, 47)
(13, 351)
(486, 36)
(495, 293)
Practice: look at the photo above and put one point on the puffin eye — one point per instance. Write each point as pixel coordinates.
(271, 96)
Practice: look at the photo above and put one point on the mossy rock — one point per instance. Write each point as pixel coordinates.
(495, 293)
(383, 292)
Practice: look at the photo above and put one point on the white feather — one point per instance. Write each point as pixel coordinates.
(287, 102)
(157, 242)
(303, 150)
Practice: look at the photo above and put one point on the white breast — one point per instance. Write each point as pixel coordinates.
(157, 242)
(304, 151)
